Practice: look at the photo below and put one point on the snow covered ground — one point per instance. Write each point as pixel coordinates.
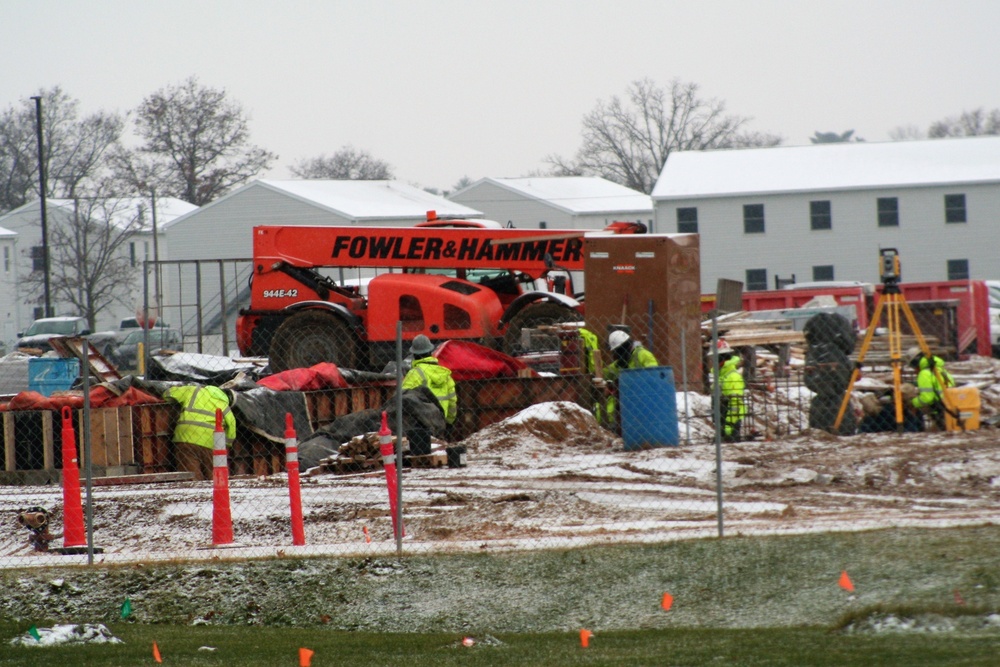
(551, 477)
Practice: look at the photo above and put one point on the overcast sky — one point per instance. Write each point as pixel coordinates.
(443, 89)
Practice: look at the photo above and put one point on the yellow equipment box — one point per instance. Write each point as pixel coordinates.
(964, 400)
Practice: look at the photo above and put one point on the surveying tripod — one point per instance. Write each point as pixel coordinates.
(894, 303)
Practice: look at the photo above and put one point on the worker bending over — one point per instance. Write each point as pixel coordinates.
(625, 353)
(732, 406)
(194, 435)
(929, 389)
(427, 372)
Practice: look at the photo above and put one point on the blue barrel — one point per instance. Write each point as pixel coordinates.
(47, 375)
(647, 403)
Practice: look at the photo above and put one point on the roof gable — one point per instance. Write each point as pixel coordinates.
(827, 167)
(576, 194)
(371, 200)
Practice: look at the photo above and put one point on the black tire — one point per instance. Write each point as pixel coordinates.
(309, 338)
(533, 315)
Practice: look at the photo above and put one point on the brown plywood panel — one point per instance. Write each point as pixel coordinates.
(652, 285)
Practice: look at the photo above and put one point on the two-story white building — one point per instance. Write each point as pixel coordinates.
(556, 202)
(822, 212)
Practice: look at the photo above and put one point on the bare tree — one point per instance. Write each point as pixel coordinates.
(906, 133)
(197, 142)
(835, 137)
(90, 263)
(347, 164)
(74, 148)
(628, 141)
(973, 123)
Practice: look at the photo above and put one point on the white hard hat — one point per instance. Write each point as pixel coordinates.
(723, 347)
(913, 354)
(422, 345)
(617, 339)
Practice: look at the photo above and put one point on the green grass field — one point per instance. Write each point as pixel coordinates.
(280, 646)
(923, 597)
(272, 647)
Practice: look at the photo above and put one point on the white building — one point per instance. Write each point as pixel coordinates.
(223, 228)
(21, 241)
(561, 202)
(823, 212)
(8, 288)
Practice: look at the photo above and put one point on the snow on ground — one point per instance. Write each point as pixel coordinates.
(551, 477)
(66, 634)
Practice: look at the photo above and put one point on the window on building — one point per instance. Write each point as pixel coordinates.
(37, 258)
(6, 259)
(820, 215)
(954, 208)
(756, 279)
(753, 218)
(823, 272)
(687, 220)
(131, 253)
(888, 212)
(958, 269)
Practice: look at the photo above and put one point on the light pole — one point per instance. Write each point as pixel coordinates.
(41, 192)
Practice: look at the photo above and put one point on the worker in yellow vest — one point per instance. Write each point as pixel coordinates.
(625, 353)
(427, 372)
(194, 435)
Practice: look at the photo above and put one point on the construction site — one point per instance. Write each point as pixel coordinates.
(555, 441)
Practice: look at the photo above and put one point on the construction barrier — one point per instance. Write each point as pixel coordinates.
(294, 484)
(222, 520)
(73, 532)
(388, 451)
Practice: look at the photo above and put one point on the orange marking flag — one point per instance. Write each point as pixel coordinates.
(156, 653)
(668, 601)
(305, 657)
(585, 636)
(845, 581)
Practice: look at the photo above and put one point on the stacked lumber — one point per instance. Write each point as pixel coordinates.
(362, 453)
(741, 331)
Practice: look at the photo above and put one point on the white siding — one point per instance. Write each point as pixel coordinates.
(789, 246)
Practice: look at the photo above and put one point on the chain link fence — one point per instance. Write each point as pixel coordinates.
(554, 442)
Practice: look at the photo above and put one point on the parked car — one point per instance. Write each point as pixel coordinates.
(125, 355)
(36, 337)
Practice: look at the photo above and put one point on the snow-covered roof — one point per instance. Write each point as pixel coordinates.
(826, 167)
(6, 233)
(120, 211)
(370, 200)
(576, 194)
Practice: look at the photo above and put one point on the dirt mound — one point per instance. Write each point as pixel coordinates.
(546, 428)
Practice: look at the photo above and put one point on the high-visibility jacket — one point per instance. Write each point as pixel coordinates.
(427, 372)
(640, 358)
(590, 346)
(928, 388)
(732, 389)
(196, 423)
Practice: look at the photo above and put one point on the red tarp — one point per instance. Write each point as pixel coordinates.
(471, 361)
(100, 397)
(320, 376)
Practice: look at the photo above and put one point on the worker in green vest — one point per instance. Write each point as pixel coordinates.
(732, 386)
(931, 373)
(427, 372)
(194, 435)
(625, 353)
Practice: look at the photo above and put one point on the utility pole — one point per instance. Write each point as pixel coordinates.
(42, 193)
